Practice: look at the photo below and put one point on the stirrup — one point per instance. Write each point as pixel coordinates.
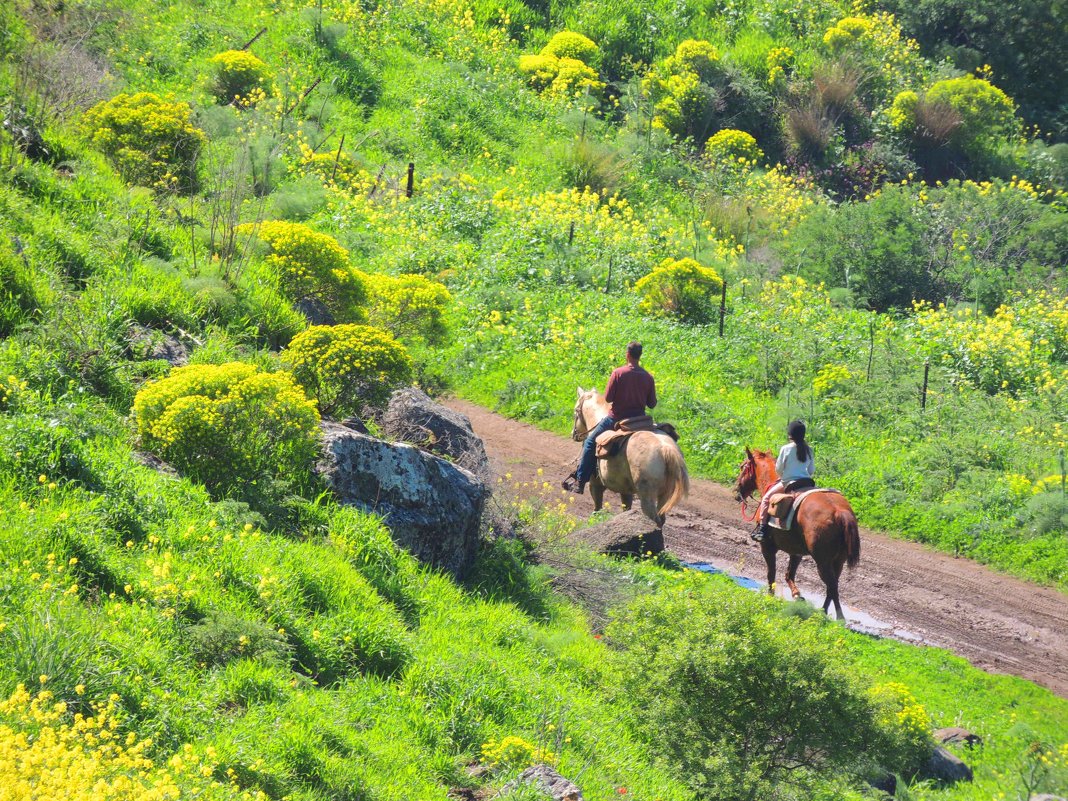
(569, 482)
(759, 533)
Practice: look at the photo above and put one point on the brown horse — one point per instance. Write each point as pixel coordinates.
(825, 528)
(649, 465)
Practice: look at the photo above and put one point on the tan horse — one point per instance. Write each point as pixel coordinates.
(649, 465)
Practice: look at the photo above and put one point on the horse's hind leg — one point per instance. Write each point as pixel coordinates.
(791, 574)
(829, 573)
(650, 509)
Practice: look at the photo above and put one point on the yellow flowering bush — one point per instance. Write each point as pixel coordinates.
(779, 61)
(347, 367)
(310, 264)
(228, 424)
(239, 77)
(875, 41)
(732, 145)
(1022, 346)
(681, 288)
(568, 44)
(150, 141)
(565, 69)
(902, 112)
(680, 87)
(560, 78)
(408, 305)
(514, 753)
(46, 752)
(11, 391)
(987, 114)
(907, 725)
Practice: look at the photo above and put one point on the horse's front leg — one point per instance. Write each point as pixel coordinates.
(768, 549)
(627, 500)
(791, 574)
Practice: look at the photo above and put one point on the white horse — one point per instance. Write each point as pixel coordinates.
(649, 465)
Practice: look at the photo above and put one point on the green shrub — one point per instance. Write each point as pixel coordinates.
(239, 77)
(907, 726)
(222, 638)
(560, 78)
(739, 702)
(408, 306)
(311, 265)
(987, 114)
(150, 141)
(346, 367)
(18, 292)
(228, 426)
(681, 288)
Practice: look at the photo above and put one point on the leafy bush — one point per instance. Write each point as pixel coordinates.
(408, 306)
(150, 141)
(514, 753)
(239, 77)
(222, 638)
(309, 264)
(681, 288)
(228, 426)
(346, 367)
(908, 725)
(737, 701)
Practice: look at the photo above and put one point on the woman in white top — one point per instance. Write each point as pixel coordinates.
(795, 466)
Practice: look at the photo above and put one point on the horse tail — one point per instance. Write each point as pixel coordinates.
(676, 476)
(848, 521)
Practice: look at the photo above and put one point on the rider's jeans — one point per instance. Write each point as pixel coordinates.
(589, 449)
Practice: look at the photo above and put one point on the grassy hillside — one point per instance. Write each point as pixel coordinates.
(202, 180)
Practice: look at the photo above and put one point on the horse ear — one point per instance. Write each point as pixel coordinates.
(581, 392)
(748, 453)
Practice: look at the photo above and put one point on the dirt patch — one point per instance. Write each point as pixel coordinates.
(998, 623)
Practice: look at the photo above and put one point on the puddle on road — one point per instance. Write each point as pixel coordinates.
(856, 620)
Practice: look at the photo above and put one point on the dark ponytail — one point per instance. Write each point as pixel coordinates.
(796, 432)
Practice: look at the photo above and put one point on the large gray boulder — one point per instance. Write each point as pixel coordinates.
(946, 768)
(432, 507)
(412, 416)
(629, 533)
(955, 735)
(546, 780)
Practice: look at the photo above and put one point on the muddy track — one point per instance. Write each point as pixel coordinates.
(998, 623)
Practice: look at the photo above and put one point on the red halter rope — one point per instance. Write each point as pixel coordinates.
(748, 471)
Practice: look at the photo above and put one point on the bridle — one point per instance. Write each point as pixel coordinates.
(746, 473)
(579, 420)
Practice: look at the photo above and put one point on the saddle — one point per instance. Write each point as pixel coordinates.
(609, 443)
(783, 506)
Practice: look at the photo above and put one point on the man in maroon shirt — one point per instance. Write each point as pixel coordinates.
(630, 390)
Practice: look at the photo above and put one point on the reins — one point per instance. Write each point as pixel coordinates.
(747, 470)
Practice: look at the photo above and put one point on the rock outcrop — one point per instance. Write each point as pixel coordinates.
(630, 533)
(957, 736)
(946, 768)
(412, 416)
(547, 781)
(432, 507)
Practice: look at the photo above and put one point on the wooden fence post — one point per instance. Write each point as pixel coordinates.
(923, 391)
(722, 307)
(411, 179)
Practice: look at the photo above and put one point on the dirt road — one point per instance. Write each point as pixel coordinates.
(998, 623)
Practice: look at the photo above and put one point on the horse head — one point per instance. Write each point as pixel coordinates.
(580, 428)
(747, 479)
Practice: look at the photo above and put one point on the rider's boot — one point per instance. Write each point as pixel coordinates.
(761, 531)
